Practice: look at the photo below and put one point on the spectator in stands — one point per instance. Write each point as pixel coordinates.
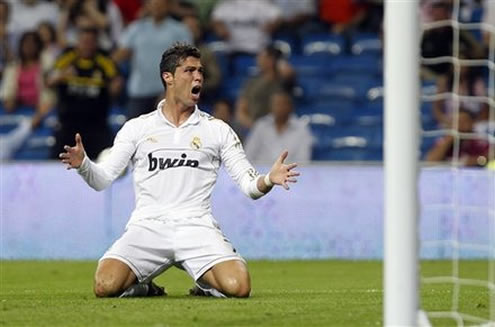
(143, 41)
(278, 131)
(488, 18)
(26, 15)
(212, 73)
(22, 84)
(245, 25)
(6, 38)
(86, 79)
(101, 14)
(253, 102)
(179, 9)
(297, 17)
(51, 49)
(471, 83)
(472, 152)
(343, 16)
(204, 9)
(222, 109)
(438, 42)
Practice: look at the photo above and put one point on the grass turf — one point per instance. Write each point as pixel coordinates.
(285, 293)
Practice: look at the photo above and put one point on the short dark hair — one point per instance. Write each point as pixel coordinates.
(172, 57)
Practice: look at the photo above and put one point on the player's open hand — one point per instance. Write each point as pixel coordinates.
(73, 156)
(283, 174)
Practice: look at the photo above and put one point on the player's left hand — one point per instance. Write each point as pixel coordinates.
(281, 173)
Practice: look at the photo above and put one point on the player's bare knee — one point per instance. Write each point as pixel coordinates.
(105, 287)
(244, 291)
(236, 287)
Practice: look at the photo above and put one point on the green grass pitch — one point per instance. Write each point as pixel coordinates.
(285, 293)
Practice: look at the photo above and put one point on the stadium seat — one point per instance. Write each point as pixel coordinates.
(244, 65)
(369, 114)
(366, 44)
(311, 66)
(38, 146)
(284, 46)
(10, 121)
(375, 93)
(320, 124)
(340, 109)
(322, 44)
(360, 65)
(350, 143)
(314, 88)
(116, 119)
(231, 88)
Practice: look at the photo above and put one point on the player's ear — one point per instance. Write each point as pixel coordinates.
(168, 77)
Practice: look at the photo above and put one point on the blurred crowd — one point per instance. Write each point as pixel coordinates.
(78, 59)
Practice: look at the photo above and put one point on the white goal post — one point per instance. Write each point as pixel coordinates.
(401, 280)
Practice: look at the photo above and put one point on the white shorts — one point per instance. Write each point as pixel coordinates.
(149, 247)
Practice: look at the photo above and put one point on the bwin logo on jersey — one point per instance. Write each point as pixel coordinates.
(165, 163)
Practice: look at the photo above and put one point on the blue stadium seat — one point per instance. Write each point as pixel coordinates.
(10, 121)
(314, 88)
(311, 66)
(320, 124)
(360, 65)
(322, 44)
(244, 65)
(284, 46)
(366, 44)
(348, 143)
(231, 87)
(369, 114)
(38, 146)
(340, 112)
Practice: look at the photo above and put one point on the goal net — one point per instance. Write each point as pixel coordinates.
(457, 247)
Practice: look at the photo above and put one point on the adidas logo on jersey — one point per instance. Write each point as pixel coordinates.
(165, 163)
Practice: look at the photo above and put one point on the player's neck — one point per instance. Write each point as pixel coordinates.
(175, 112)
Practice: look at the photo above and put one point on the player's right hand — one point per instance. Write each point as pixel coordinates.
(73, 156)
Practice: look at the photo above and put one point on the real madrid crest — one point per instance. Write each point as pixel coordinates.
(196, 143)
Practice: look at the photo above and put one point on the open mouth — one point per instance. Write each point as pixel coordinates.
(196, 89)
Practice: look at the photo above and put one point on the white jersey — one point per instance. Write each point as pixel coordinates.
(175, 168)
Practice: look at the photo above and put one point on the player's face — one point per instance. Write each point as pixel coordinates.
(188, 81)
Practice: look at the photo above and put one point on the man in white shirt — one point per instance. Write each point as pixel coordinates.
(278, 131)
(245, 25)
(176, 152)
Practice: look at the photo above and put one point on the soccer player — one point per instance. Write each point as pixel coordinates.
(176, 152)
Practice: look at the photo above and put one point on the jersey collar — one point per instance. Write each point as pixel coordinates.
(192, 120)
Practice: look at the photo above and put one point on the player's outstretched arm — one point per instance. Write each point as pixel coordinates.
(280, 174)
(73, 156)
